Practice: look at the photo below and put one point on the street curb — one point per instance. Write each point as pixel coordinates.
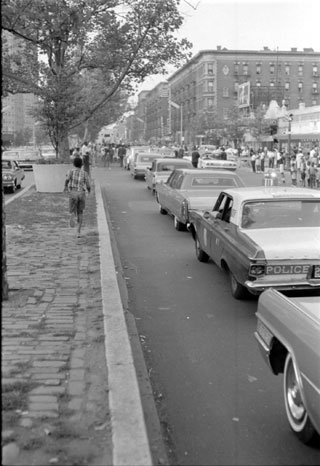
(21, 193)
(129, 435)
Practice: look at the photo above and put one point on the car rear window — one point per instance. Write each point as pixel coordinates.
(145, 158)
(171, 166)
(281, 214)
(207, 182)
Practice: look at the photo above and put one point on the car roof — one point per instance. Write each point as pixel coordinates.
(271, 192)
(172, 159)
(206, 171)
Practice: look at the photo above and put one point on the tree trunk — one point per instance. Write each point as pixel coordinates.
(5, 287)
(64, 152)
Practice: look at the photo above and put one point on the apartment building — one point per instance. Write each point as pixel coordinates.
(209, 84)
(16, 107)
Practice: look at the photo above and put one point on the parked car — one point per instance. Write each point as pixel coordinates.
(288, 333)
(190, 189)
(25, 157)
(263, 237)
(12, 174)
(210, 160)
(161, 169)
(141, 163)
(47, 152)
(132, 153)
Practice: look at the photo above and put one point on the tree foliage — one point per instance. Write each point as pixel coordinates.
(77, 54)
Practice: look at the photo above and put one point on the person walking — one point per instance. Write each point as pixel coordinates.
(253, 161)
(195, 157)
(77, 183)
(121, 153)
(313, 175)
(180, 153)
(75, 153)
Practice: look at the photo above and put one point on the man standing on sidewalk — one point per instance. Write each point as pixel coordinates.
(77, 182)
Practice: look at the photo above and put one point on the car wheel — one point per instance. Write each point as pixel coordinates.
(201, 255)
(179, 226)
(238, 291)
(13, 188)
(162, 210)
(296, 412)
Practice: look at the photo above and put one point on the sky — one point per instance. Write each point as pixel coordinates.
(248, 25)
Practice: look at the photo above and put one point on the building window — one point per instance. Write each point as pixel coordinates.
(258, 83)
(315, 70)
(300, 70)
(258, 69)
(245, 69)
(271, 84)
(315, 88)
(225, 113)
(271, 68)
(236, 87)
(210, 103)
(287, 70)
(287, 86)
(210, 68)
(236, 68)
(225, 92)
(300, 87)
(210, 86)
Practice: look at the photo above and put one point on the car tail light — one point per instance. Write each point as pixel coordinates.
(184, 209)
(257, 270)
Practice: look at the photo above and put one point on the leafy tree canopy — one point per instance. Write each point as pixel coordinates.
(76, 54)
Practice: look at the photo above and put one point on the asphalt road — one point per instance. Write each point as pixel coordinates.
(218, 402)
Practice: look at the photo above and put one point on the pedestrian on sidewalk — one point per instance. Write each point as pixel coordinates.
(195, 157)
(77, 183)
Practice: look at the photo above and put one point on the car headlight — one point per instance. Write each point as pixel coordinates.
(8, 177)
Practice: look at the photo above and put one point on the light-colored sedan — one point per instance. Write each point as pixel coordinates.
(161, 169)
(12, 174)
(141, 162)
(187, 190)
(263, 237)
(210, 160)
(288, 333)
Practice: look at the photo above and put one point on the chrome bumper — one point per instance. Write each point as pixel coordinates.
(261, 286)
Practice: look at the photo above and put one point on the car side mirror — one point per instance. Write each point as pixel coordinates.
(206, 214)
(216, 214)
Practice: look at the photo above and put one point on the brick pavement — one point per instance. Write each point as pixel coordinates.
(52, 332)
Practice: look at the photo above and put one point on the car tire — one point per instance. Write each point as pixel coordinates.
(13, 188)
(238, 291)
(201, 255)
(297, 414)
(161, 209)
(179, 226)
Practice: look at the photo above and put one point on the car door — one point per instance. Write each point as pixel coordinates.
(175, 199)
(221, 229)
(164, 190)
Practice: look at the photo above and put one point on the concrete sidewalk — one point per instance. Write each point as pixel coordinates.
(70, 390)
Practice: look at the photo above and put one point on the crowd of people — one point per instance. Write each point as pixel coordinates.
(304, 165)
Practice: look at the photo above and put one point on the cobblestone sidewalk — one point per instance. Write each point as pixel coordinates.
(54, 377)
